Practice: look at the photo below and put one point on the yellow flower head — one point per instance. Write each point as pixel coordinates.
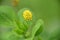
(27, 15)
(15, 2)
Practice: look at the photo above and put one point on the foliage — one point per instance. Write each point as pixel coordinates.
(15, 27)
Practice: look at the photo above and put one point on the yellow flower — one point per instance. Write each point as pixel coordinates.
(27, 15)
(15, 2)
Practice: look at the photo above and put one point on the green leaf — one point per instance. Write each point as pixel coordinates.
(35, 29)
(7, 22)
(39, 30)
(7, 15)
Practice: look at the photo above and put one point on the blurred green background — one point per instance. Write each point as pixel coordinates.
(48, 10)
